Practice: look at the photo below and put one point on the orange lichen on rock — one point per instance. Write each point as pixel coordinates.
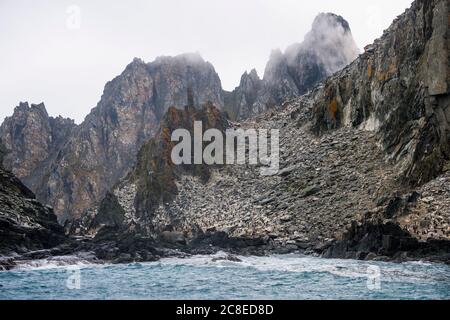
(381, 76)
(369, 69)
(166, 135)
(392, 68)
(389, 73)
(333, 108)
(153, 165)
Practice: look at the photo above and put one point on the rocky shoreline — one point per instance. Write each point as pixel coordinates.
(135, 249)
(364, 173)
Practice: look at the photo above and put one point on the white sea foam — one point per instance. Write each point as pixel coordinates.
(410, 272)
(295, 263)
(53, 262)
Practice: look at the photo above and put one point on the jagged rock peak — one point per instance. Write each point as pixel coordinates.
(327, 48)
(104, 147)
(276, 54)
(136, 64)
(329, 44)
(249, 78)
(325, 21)
(276, 66)
(137, 61)
(254, 74)
(25, 107)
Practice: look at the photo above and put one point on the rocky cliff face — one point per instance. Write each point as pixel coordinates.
(399, 89)
(30, 231)
(130, 206)
(173, 76)
(34, 140)
(364, 156)
(71, 167)
(241, 102)
(327, 48)
(25, 224)
(364, 162)
(105, 146)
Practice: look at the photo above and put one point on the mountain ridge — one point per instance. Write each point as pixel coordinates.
(77, 172)
(364, 162)
(364, 159)
(327, 48)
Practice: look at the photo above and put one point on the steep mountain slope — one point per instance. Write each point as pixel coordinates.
(327, 48)
(364, 162)
(130, 205)
(71, 167)
(34, 140)
(399, 89)
(25, 224)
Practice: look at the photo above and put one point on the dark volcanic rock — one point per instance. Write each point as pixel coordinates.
(173, 237)
(110, 214)
(381, 233)
(227, 257)
(3, 152)
(155, 174)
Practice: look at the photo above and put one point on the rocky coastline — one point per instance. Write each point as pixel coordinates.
(364, 168)
(134, 249)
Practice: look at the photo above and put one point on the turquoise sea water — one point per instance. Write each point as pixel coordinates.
(199, 277)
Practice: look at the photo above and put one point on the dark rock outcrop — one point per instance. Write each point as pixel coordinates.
(396, 230)
(25, 224)
(155, 174)
(327, 48)
(131, 205)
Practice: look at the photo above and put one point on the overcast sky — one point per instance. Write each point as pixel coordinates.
(49, 55)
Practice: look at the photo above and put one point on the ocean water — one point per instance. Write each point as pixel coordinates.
(199, 277)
